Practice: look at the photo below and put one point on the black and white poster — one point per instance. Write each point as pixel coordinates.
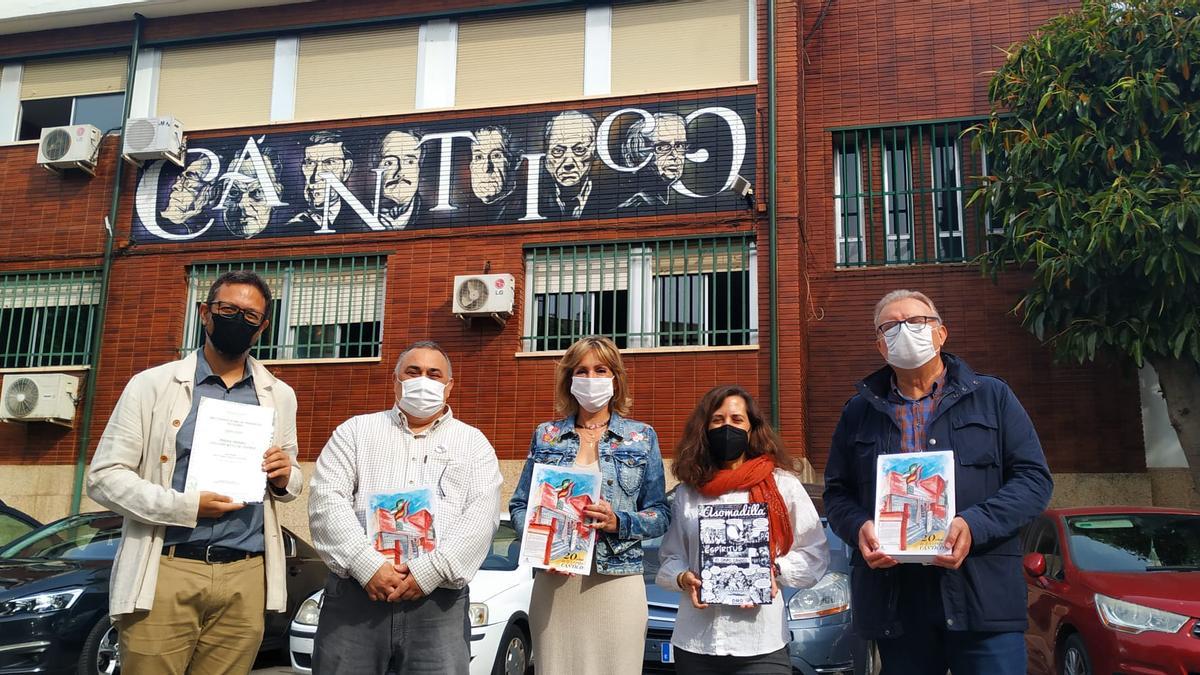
(735, 554)
(653, 159)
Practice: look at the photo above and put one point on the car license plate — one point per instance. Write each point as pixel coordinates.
(666, 654)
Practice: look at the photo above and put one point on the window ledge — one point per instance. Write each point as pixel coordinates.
(46, 369)
(298, 362)
(649, 350)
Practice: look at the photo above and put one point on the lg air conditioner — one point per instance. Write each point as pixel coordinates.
(39, 397)
(73, 147)
(150, 138)
(483, 295)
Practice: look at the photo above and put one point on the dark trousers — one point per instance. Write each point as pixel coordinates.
(774, 663)
(934, 651)
(360, 636)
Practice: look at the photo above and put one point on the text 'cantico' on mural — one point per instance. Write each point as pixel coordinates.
(664, 158)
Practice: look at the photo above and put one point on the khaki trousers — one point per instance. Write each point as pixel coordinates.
(206, 620)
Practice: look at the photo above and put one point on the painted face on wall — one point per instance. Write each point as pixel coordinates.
(248, 211)
(191, 192)
(490, 168)
(400, 161)
(319, 159)
(570, 148)
(669, 142)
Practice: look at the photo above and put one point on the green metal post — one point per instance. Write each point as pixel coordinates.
(773, 199)
(89, 396)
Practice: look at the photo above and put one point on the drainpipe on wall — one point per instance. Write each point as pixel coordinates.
(110, 224)
(772, 200)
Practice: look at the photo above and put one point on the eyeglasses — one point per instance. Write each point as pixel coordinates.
(662, 148)
(230, 311)
(914, 323)
(330, 164)
(579, 150)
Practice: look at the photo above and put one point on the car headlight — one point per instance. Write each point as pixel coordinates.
(830, 595)
(309, 612)
(42, 603)
(1130, 618)
(478, 613)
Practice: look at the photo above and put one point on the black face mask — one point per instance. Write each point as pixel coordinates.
(232, 336)
(727, 443)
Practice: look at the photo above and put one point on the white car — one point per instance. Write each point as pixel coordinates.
(499, 613)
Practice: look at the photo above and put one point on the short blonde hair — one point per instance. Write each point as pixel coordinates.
(608, 354)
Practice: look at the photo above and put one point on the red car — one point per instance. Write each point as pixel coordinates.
(1113, 590)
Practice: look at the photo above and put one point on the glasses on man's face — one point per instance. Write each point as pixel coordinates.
(662, 148)
(914, 323)
(579, 150)
(330, 164)
(232, 311)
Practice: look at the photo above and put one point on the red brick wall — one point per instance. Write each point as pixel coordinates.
(876, 62)
(869, 63)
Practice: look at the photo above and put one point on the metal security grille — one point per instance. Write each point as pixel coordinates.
(47, 318)
(900, 194)
(662, 293)
(323, 308)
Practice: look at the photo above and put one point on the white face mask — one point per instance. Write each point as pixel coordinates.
(910, 348)
(422, 397)
(593, 393)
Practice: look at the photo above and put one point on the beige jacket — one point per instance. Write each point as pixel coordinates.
(135, 460)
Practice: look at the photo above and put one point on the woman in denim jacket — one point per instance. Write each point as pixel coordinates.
(591, 624)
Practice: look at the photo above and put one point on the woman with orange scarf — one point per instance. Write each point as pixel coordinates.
(730, 455)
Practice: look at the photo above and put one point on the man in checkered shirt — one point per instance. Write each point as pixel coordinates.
(410, 616)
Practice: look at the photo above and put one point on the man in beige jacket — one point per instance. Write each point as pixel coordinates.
(196, 571)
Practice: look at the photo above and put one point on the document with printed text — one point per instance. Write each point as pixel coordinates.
(228, 448)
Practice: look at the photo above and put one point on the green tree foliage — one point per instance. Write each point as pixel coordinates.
(1094, 145)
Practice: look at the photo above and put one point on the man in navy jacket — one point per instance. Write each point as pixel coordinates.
(966, 611)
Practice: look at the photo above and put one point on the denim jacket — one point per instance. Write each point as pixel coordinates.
(631, 479)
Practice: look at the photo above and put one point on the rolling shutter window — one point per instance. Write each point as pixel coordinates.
(543, 51)
(663, 46)
(215, 86)
(54, 78)
(359, 74)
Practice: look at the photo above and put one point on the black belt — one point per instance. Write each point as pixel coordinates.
(209, 554)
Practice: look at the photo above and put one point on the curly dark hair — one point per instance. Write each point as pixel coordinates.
(693, 464)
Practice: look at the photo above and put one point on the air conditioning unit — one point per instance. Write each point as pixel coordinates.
(483, 295)
(39, 397)
(150, 138)
(73, 147)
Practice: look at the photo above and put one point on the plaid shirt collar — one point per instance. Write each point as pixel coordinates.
(912, 415)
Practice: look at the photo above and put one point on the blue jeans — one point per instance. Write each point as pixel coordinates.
(360, 636)
(926, 649)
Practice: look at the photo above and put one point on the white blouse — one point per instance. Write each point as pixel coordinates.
(725, 630)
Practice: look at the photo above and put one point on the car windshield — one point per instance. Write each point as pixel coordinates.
(1135, 542)
(505, 551)
(85, 537)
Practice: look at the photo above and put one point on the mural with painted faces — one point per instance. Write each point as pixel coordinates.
(493, 164)
(247, 208)
(570, 147)
(400, 164)
(191, 192)
(324, 154)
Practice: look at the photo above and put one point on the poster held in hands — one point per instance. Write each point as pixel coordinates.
(556, 533)
(227, 450)
(400, 525)
(735, 554)
(914, 504)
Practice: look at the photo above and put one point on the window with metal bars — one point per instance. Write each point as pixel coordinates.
(325, 308)
(47, 318)
(900, 194)
(699, 292)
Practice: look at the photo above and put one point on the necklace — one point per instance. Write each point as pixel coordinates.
(594, 425)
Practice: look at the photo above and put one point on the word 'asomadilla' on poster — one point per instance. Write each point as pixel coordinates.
(735, 554)
(660, 158)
